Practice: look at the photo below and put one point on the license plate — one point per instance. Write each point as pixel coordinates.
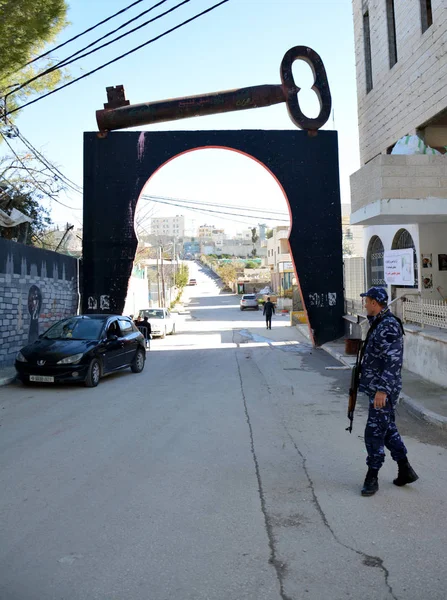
(41, 378)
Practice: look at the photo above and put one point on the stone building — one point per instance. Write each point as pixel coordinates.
(401, 199)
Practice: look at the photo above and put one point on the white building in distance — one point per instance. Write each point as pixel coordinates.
(169, 226)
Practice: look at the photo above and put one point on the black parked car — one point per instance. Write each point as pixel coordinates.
(82, 348)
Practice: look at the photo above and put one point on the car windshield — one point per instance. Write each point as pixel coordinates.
(75, 329)
(153, 313)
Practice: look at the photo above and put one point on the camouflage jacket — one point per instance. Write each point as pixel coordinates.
(382, 361)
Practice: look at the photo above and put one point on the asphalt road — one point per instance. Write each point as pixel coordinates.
(222, 472)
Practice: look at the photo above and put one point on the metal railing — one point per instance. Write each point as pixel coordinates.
(425, 312)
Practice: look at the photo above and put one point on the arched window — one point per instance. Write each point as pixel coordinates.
(402, 241)
(376, 272)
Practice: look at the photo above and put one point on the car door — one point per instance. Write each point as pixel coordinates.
(114, 346)
(170, 321)
(129, 339)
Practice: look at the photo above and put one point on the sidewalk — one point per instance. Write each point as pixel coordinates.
(422, 398)
(7, 375)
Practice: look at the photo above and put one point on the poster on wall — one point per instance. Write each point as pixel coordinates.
(442, 262)
(399, 267)
(427, 282)
(427, 262)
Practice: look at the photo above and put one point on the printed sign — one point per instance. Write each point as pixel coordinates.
(285, 266)
(399, 267)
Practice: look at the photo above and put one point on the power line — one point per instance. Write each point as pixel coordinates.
(207, 210)
(201, 203)
(36, 183)
(74, 57)
(71, 184)
(120, 12)
(110, 62)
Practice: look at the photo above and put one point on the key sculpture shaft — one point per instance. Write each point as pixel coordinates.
(119, 114)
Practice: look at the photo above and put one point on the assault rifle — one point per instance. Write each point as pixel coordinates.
(357, 370)
(355, 379)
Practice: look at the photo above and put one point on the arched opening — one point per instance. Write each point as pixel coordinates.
(119, 165)
(223, 204)
(403, 241)
(375, 260)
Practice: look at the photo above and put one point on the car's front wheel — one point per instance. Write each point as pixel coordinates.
(93, 374)
(138, 362)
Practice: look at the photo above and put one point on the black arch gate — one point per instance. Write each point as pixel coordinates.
(117, 165)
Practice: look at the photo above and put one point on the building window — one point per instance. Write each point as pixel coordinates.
(392, 42)
(426, 14)
(376, 271)
(403, 240)
(368, 59)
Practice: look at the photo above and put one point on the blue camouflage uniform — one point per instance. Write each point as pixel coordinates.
(381, 371)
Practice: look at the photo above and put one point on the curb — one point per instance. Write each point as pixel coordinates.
(422, 413)
(7, 379)
(415, 408)
(337, 355)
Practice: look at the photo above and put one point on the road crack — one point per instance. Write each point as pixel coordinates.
(367, 559)
(280, 567)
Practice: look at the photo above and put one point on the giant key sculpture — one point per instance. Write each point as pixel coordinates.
(117, 165)
(118, 114)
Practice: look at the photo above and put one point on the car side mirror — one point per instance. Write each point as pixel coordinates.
(112, 338)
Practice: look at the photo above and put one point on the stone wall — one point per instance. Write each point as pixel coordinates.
(37, 288)
(414, 90)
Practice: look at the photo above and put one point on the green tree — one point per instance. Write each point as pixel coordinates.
(182, 276)
(250, 265)
(227, 273)
(26, 26)
(269, 233)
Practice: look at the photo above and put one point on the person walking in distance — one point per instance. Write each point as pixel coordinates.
(269, 310)
(147, 332)
(381, 380)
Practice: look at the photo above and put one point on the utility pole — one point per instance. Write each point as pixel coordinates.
(175, 266)
(158, 281)
(163, 279)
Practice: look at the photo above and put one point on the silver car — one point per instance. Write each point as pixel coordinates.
(249, 301)
(162, 323)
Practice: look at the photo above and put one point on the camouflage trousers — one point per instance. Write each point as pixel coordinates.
(381, 432)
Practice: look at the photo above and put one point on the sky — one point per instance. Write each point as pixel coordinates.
(239, 44)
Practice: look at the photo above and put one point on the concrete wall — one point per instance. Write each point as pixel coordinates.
(137, 296)
(402, 177)
(37, 288)
(415, 89)
(426, 354)
(354, 272)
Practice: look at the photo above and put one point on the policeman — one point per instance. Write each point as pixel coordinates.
(381, 380)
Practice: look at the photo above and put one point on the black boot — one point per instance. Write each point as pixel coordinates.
(406, 474)
(371, 485)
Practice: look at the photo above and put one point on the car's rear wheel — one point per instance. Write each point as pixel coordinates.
(93, 374)
(138, 362)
